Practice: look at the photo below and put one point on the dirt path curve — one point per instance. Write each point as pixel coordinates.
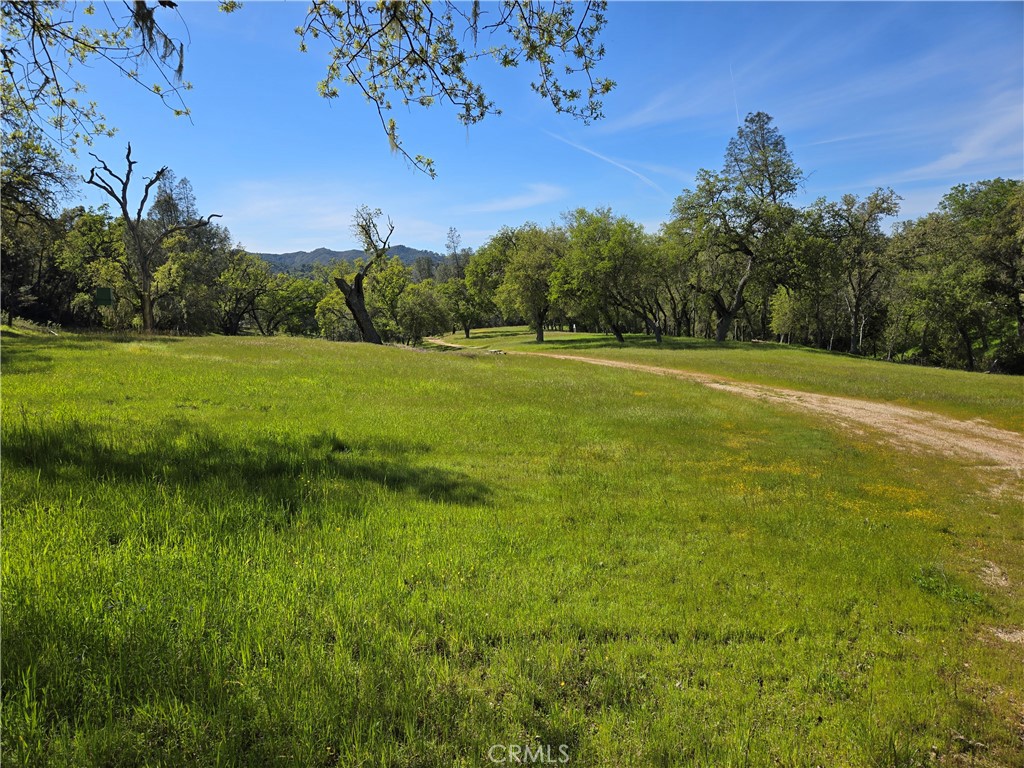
(975, 441)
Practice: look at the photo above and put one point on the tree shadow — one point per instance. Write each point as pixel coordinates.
(31, 354)
(490, 333)
(23, 357)
(149, 647)
(631, 342)
(284, 475)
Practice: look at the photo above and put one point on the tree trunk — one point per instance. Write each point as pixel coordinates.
(231, 325)
(148, 319)
(355, 300)
(539, 320)
(616, 329)
(727, 314)
(467, 328)
(724, 324)
(968, 347)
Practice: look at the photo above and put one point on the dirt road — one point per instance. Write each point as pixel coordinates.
(985, 446)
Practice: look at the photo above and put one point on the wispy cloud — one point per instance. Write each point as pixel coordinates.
(919, 202)
(606, 159)
(694, 99)
(993, 136)
(742, 79)
(272, 215)
(282, 215)
(536, 194)
(853, 137)
(685, 175)
(887, 91)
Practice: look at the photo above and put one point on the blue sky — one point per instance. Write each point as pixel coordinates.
(916, 96)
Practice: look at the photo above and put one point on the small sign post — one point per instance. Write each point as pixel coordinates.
(104, 297)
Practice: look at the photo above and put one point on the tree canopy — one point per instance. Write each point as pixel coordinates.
(49, 44)
(414, 53)
(419, 53)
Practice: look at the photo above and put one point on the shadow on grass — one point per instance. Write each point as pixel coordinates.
(21, 353)
(283, 472)
(23, 357)
(150, 669)
(601, 341)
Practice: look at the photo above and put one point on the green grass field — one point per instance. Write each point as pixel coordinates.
(278, 552)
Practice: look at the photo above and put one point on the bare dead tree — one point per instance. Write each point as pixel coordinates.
(143, 243)
(375, 243)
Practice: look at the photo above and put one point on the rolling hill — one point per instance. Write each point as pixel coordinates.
(303, 261)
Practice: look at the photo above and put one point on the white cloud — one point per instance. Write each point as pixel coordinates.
(684, 175)
(277, 216)
(853, 137)
(916, 203)
(701, 97)
(536, 194)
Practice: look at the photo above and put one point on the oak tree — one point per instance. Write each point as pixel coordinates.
(526, 285)
(739, 216)
(48, 44)
(855, 226)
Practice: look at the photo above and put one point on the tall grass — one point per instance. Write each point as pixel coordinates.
(291, 552)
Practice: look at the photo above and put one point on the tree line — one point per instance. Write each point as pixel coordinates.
(149, 261)
(737, 260)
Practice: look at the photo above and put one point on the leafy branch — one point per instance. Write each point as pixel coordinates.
(414, 53)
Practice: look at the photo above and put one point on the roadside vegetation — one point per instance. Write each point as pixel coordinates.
(289, 552)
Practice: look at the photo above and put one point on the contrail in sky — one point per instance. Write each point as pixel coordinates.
(735, 103)
(608, 160)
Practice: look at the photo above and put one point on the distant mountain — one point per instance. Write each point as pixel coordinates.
(303, 261)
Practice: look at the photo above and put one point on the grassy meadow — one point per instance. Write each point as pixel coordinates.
(291, 552)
